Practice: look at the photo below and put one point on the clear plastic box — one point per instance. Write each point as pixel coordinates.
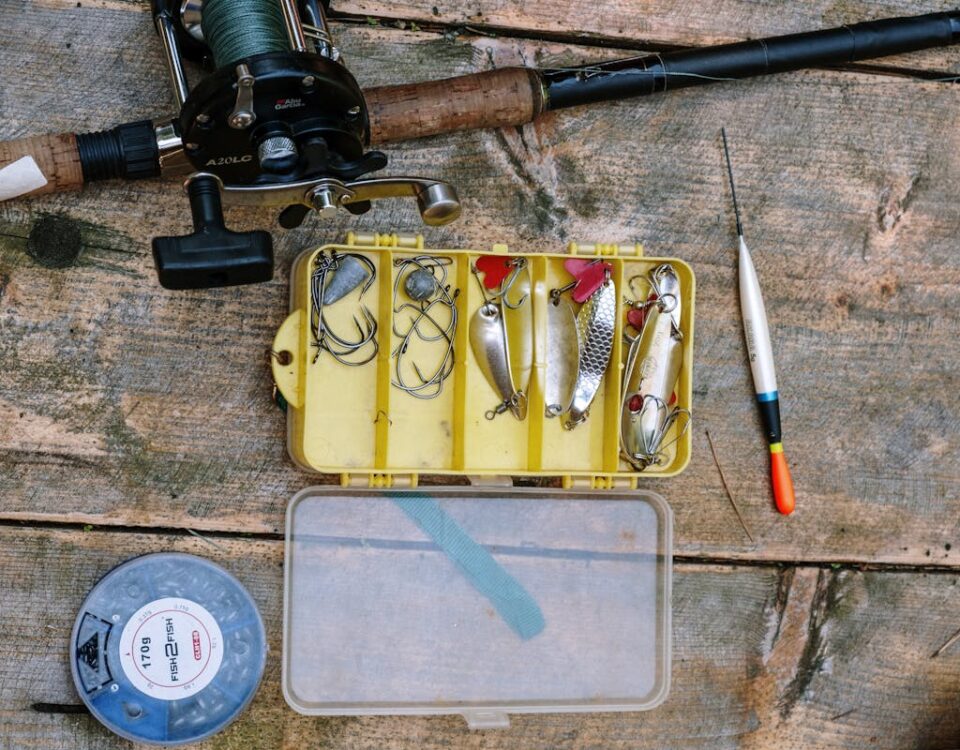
(386, 612)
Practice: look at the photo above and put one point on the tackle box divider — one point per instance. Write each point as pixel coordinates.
(614, 380)
(462, 343)
(385, 277)
(536, 401)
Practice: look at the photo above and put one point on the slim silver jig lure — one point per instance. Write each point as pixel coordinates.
(501, 337)
(563, 356)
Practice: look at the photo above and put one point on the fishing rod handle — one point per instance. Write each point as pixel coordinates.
(59, 163)
(493, 99)
(38, 165)
(498, 98)
(56, 163)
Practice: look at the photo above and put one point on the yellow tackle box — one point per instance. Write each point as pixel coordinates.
(351, 421)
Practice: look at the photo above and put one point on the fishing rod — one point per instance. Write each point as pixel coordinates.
(278, 120)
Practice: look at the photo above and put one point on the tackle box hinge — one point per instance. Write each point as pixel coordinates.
(495, 480)
(383, 481)
(605, 250)
(599, 482)
(394, 240)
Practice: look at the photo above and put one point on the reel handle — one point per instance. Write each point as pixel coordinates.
(213, 256)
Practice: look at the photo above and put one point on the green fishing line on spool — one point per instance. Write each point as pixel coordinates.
(236, 29)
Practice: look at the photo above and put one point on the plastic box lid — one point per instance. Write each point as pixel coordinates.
(479, 602)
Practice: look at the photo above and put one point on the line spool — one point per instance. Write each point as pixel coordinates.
(238, 29)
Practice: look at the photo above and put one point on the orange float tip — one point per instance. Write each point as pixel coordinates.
(782, 481)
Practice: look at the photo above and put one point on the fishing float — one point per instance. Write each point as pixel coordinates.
(760, 350)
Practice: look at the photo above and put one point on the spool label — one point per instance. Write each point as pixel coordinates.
(171, 648)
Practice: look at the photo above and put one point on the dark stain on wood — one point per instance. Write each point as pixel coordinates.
(55, 241)
(784, 583)
(825, 598)
(59, 708)
(519, 166)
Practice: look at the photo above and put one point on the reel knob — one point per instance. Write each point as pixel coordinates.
(213, 256)
(439, 204)
(277, 154)
(325, 203)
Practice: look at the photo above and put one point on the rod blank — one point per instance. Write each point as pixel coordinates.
(651, 74)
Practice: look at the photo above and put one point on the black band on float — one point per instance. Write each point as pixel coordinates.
(770, 413)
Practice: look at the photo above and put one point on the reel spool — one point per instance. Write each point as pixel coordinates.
(277, 120)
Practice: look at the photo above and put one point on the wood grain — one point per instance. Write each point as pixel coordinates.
(125, 404)
(763, 658)
(652, 24)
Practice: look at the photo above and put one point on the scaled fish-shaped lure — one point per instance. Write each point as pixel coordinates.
(596, 323)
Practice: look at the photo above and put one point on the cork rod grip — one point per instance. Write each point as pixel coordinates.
(493, 99)
(41, 164)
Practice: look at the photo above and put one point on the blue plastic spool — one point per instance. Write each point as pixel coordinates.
(167, 649)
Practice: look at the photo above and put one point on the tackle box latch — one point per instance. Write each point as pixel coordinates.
(488, 719)
(389, 240)
(384, 481)
(599, 482)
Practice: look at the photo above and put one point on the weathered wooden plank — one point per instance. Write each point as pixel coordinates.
(78, 59)
(125, 404)
(763, 658)
(647, 22)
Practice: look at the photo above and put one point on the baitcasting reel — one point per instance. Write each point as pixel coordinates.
(277, 120)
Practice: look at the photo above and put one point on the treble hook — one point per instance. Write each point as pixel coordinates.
(654, 285)
(519, 264)
(656, 453)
